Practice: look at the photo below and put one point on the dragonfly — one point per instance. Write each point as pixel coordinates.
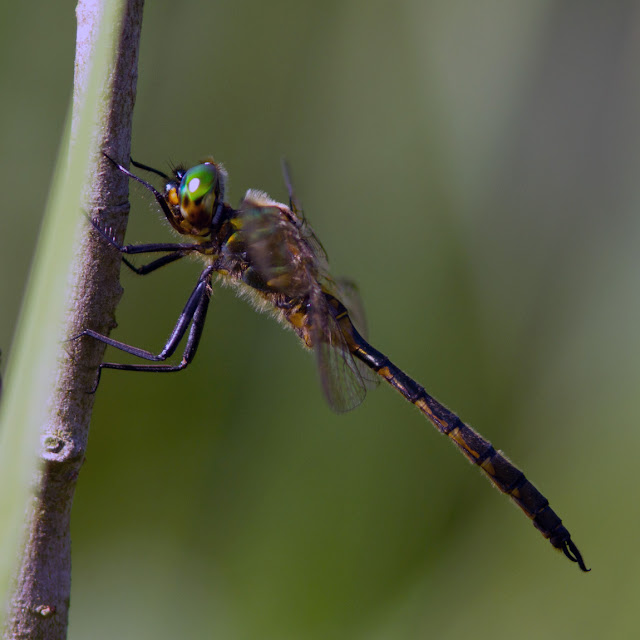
(268, 251)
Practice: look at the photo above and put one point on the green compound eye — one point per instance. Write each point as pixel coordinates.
(199, 181)
(199, 197)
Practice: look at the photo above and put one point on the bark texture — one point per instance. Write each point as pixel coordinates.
(39, 607)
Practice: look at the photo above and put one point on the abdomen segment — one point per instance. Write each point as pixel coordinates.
(495, 465)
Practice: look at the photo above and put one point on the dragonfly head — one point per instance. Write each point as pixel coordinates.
(196, 198)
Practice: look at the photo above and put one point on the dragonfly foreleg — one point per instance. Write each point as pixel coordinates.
(156, 194)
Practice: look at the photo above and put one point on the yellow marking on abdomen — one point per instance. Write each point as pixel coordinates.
(424, 407)
(488, 467)
(456, 436)
(386, 374)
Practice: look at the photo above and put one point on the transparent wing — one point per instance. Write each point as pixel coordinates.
(275, 247)
(341, 378)
(305, 228)
(344, 379)
(287, 257)
(347, 292)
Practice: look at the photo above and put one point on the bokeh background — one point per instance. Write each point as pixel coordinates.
(473, 165)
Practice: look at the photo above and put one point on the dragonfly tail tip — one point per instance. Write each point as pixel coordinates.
(571, 551)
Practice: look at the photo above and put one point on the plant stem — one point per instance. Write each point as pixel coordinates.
(103, 98)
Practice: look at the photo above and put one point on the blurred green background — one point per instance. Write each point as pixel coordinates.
(473, 165)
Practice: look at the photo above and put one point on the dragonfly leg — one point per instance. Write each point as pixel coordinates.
(178, 250)
(153, 247)
(156, 194)
(194, 313)
(146, 167)
(155, 264)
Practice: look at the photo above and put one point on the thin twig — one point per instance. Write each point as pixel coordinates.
(40, 603)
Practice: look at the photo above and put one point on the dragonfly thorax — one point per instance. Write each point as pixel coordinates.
(196, 198)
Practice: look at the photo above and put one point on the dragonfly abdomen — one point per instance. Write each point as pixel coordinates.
(495, 465)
